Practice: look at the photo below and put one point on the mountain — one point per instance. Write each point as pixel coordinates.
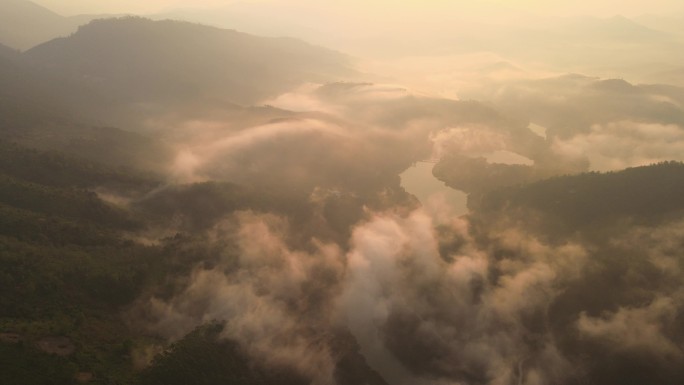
(673, 24)
(203, 357)
(134, 60)
(64, 255)
(6, 51)
(673, 76)
(36, 112)
(607, 47)
(24, 24)
(617, 28)
(565, 204)
(71, 268)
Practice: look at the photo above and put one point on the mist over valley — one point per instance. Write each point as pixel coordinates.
(305, 193)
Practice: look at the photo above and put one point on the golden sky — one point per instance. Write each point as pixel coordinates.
(478, 7)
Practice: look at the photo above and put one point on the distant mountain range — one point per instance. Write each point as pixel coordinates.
(6, 51)
(118, 72)
(673, 24)
(160, 177)
(136, 60)
(24, 24)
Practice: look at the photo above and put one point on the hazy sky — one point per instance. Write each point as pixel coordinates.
(590, 7)
(437, 32)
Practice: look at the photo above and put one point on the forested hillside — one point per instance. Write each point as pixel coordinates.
(73, 263)
(644, 195)
(190, 204)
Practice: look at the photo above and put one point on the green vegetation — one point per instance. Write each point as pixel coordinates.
(67, 268)
(198, 206)
(202, 358)
(55, 169)
(23, 364)
(71, 266)
(642, 194)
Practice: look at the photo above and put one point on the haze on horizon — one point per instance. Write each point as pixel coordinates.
(342, 193)
(384, 8)
(441, 47)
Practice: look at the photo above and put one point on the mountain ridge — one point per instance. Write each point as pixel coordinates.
(20, 20)
(144, 61)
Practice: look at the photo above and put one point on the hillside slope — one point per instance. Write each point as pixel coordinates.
(142, 61)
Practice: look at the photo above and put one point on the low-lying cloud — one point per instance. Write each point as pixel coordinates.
(618, 145)
(430, 298)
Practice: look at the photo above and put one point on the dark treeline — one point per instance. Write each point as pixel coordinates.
(185, 204)
(648, 194)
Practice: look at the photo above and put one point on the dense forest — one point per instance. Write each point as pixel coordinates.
(590, 201)
(90, 223)
(73, 262)
(190, 204)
